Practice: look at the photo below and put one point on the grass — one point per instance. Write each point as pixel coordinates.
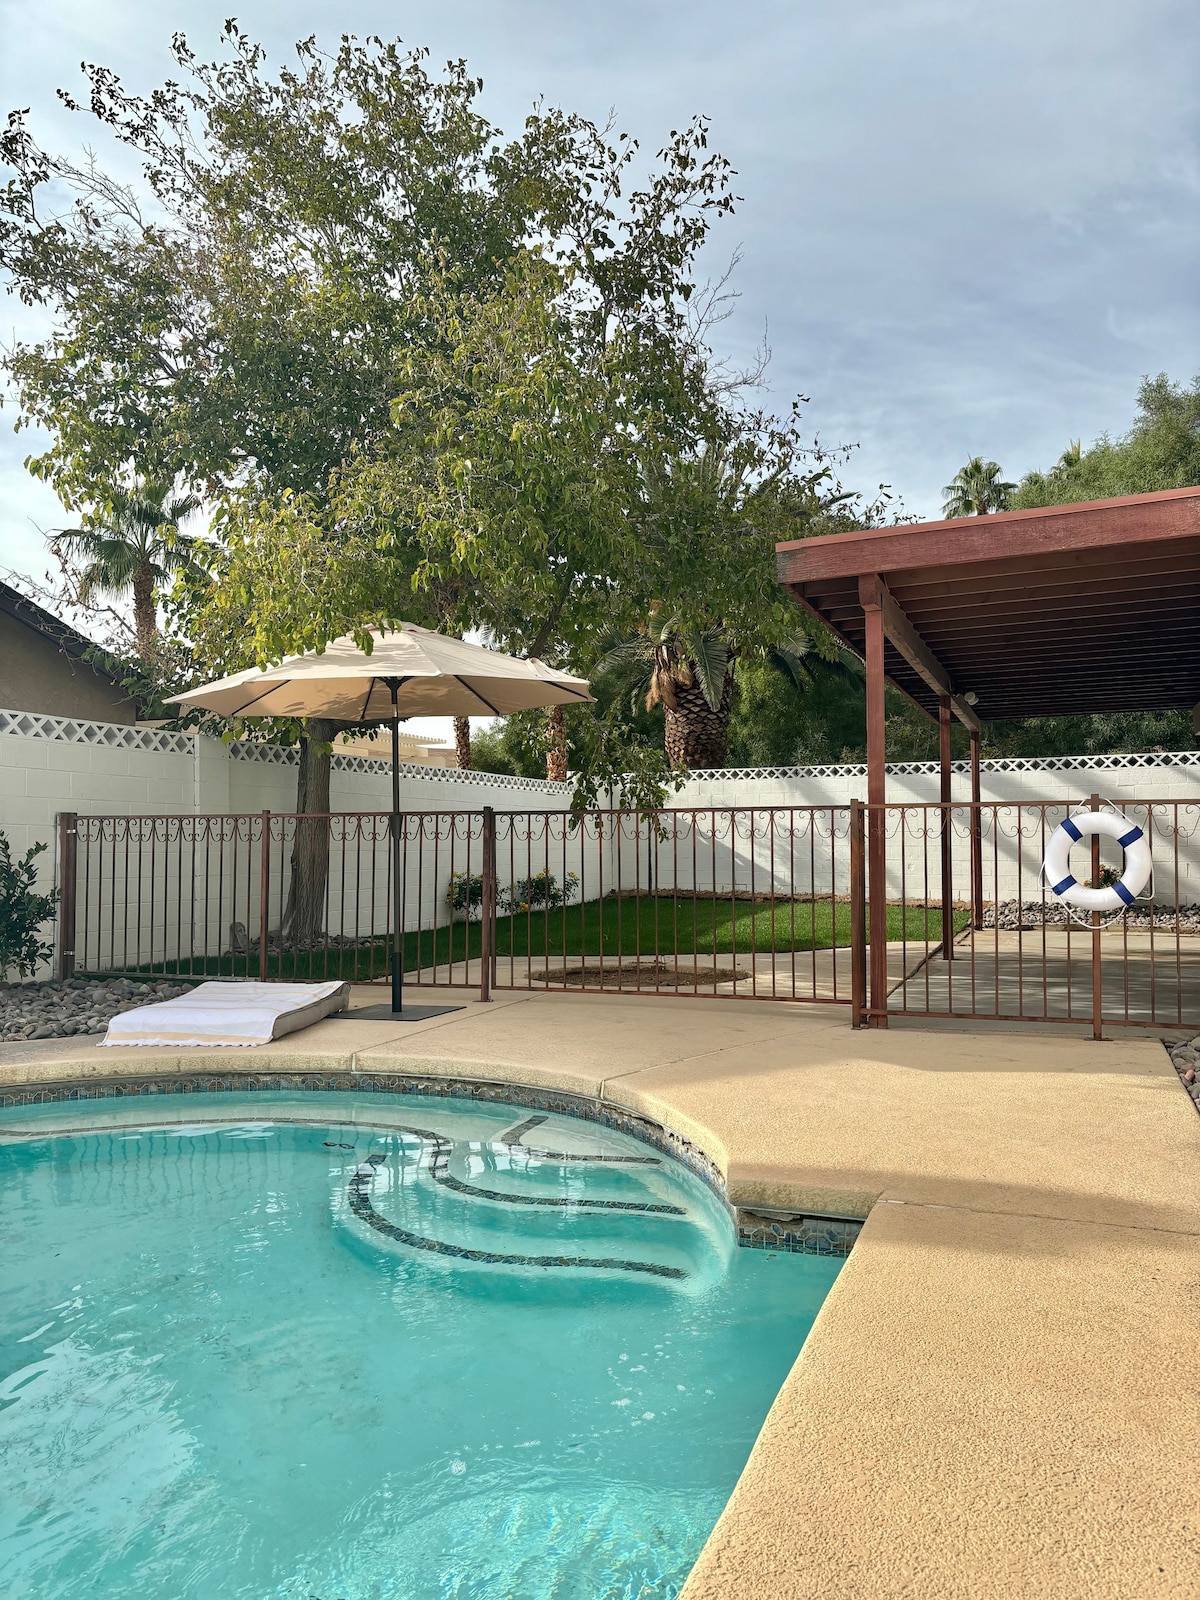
(648, 925)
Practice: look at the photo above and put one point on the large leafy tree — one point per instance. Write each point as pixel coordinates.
(1160, 451)
(133, 545)
(302, 289)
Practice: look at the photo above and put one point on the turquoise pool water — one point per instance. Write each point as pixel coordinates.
(278, 1346)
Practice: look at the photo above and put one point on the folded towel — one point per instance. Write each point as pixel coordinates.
(229, 1014)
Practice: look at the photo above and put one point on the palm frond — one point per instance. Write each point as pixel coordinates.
(710, 656)
(790, 661)
(637, 651)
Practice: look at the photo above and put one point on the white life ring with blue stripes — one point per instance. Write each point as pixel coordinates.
(1112, 825)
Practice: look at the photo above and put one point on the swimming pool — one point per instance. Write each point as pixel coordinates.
(348, 1347)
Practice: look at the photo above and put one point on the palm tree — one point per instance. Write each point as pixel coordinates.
(689, 672)
(134, 545)
(977, 489)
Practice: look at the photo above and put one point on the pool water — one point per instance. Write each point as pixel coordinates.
(348, 1347)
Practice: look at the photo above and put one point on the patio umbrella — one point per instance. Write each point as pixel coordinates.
(410, 672)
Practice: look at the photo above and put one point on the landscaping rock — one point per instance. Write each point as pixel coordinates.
(79, 1006)
(1011, 915)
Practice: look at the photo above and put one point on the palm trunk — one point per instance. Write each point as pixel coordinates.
(145, 614)
(697, 736)
(462, 742)
(304, 918)
(556, 755)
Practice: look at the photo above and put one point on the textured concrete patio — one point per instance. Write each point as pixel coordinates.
(1048, 973)
(998, 1398)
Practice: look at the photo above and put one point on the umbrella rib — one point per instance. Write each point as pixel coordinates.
(362, 715)
(242, 709)
(459, 679)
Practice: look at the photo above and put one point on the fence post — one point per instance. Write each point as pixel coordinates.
(264, 893)
(1097, 978)
(68, 871)
(858, 915)
(976, 837)
(487, 909)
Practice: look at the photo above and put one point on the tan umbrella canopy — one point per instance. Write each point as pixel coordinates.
(410, 672)
(432, 674)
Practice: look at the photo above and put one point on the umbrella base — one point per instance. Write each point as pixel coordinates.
(384, 1013)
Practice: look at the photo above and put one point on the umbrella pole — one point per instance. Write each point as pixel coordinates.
(397, 915)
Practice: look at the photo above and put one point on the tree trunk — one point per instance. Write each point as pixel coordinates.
(145, 614)
(556, 755)
(462, 742)
(698, 736)
(304, 918)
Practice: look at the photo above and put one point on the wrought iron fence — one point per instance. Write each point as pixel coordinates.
(920, 910)
(739, 902)
(1018, 953)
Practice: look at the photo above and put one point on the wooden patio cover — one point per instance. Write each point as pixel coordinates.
(1060, 611)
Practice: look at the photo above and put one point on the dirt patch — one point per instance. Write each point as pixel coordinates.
(641, 975)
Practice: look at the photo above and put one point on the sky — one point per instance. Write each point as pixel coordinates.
(964, 228)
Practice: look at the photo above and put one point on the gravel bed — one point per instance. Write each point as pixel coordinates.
(1033, 914)
(1186, 1059)
(79, 1006)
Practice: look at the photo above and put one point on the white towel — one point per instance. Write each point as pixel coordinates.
(229, 1014)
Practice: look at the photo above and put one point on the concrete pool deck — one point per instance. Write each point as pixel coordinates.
(999, 1396)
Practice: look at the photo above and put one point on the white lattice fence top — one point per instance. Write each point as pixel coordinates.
(111, 735)
(375, 766)
(903, 769)
(123, 736)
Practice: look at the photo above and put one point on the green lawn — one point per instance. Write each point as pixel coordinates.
(647, 925)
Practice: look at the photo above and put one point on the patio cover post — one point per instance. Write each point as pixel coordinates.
(944, 714)
(870, 596)
(976, 836)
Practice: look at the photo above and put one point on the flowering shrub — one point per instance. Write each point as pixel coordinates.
(541, 892)
(464, 895)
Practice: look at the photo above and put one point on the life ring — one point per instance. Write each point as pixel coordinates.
(1112, 825)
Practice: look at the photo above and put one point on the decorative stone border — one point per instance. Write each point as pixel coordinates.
(796, 1234)
(783, 1231)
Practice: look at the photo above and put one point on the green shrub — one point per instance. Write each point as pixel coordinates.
(541, 892)
(464, 896)
(22, 912)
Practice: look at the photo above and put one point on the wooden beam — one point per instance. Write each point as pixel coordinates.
(857, 650)
(872, 591)
(1096, 524)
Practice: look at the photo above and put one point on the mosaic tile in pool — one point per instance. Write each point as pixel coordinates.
(257, 1347)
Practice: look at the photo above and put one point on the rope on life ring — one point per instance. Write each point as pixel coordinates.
(1118, 896)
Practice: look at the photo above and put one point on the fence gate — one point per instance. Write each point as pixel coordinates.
(1017, 953)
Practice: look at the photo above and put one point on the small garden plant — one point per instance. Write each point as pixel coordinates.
(542, 892)
(464, 896)
(22, 912)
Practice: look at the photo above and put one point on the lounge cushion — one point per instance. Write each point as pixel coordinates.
(229, 1014)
